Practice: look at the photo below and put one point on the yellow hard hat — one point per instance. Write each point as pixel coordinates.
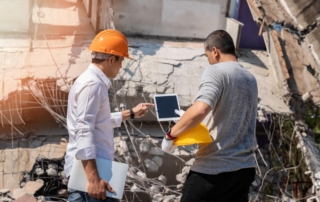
(196, 135)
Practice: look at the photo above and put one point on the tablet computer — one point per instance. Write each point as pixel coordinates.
(165, 104)
(113, 172)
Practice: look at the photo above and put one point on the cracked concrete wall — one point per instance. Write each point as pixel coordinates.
(160, 67)
(306, 12)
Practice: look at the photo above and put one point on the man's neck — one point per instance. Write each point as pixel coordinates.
(228, 58)
(101, 68)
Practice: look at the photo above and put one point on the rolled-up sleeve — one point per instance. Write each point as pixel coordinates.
(116, 119)
(88, 104)
(211, 87)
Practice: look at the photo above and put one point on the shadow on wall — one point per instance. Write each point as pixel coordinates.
(249, 36)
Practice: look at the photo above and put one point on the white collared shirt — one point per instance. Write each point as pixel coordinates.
(89, 118)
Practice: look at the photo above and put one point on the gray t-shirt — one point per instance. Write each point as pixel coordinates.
(231, 92)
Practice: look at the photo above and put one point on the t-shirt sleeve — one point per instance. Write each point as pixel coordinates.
(211, 87)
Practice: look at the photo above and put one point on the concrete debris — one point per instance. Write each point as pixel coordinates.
(135, 188)
(306, 97)
(62, 192)
(186, 170)
(158, 160)
(181, 177)
(4, 191)
(52, 172)
(157, 198)
(134, 154)
(162, 179)
(182, 153)
(5, 199)
(168, 200)
(128, 159)
(64, 181)
(156, 151)
(41, 199)
(190, 162)
(33, 186)
(39, 171)
(142, 175)
(23, 184)
(145, 146)
(26, 198)
(62, 174)
(151, 165)
(123, 146)
(17, 193)
(154, 189)
(53, 166)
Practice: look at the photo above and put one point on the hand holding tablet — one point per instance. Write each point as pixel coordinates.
(168, 109)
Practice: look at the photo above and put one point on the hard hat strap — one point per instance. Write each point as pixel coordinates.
(101, 56)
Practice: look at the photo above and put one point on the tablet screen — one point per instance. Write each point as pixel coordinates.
(166, 104)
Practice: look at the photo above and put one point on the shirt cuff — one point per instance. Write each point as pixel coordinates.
(116, 119)
(85, 146)
(86, 153)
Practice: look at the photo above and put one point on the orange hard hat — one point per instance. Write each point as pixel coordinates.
(110, 42)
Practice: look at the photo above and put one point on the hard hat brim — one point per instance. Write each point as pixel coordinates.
(197, 135)
(130, 58)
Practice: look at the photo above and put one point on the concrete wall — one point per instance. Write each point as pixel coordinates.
(87, 6)
(14, 16)
(176, 18)
(94, 14)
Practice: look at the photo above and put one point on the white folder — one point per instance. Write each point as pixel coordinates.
(114, 173)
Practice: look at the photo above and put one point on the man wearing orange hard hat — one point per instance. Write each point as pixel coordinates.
(89, 118)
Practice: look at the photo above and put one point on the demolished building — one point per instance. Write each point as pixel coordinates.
(38, 69)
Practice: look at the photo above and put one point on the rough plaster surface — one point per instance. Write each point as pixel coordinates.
(20, 155)
(160, 67)
(294, 54)
(306, 12)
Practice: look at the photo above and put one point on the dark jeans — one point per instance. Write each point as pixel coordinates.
(79, 196)
(223, 187)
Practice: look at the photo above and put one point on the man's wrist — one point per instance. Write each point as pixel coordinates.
(94, 177)
(169, 136)
(125, 114)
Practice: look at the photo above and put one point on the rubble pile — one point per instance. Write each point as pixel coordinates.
(150, 177)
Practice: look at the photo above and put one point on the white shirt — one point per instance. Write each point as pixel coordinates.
(89, 119)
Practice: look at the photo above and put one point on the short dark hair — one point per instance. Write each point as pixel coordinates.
(98, 61)
(221, 40)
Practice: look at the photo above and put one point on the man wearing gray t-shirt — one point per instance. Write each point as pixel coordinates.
(227, 103)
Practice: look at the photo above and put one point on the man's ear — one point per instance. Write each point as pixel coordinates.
(111, 60)
(215, 51)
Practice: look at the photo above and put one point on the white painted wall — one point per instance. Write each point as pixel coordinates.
(175, 18)
(14, 15)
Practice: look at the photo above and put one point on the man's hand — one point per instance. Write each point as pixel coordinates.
(179, 113)
(141, 109)
(97, 188)
(167, 145)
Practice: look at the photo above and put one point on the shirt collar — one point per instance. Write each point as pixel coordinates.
(99, 73)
